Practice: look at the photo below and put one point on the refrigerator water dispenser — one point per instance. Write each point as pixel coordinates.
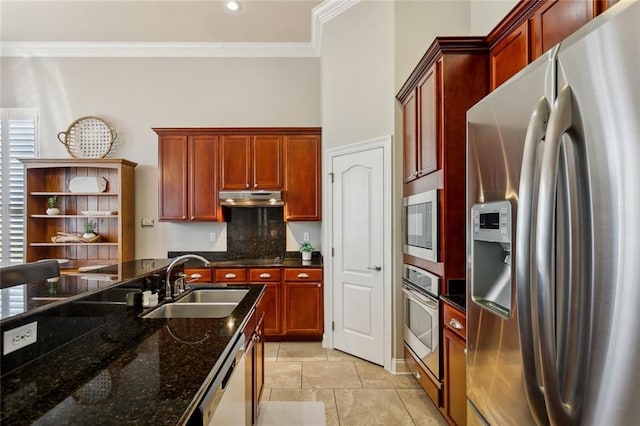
(491, 257)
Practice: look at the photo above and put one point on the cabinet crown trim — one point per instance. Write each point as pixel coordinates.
(440, 46)
(162, 131)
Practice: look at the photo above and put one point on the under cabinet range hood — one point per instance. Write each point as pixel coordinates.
(251, 198)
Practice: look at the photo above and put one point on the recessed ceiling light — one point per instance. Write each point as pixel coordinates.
(233, 5)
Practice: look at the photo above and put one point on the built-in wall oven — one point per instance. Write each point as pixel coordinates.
(422, 318)
(420, 225)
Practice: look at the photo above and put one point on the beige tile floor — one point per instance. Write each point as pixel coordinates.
(354, 392)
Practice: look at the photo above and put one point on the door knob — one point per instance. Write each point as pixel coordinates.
(375, 268)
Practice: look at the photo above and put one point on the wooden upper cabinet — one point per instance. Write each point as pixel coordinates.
(173, 188)
(420, 126)
(510, 55)
(196, 163)
(251, 162)
(555, 20)
(203, 201)
(267, 162)
(409, 136)
(187, 177)
(534, 27)
(235, 162)
(303, 197)
(428, 113)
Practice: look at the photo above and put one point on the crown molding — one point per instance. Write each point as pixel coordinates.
(323, 13)
(155, 49)
(320, 14)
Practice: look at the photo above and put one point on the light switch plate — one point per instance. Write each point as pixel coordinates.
(20, 337)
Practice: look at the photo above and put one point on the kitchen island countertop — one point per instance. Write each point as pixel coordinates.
(120, 369)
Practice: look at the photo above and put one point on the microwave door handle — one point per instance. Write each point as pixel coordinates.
(561, 122)
(524, 281)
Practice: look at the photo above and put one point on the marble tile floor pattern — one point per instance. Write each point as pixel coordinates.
(354, 392)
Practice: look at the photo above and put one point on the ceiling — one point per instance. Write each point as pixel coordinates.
(156, 21)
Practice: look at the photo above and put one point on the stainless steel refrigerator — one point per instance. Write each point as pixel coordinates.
(553, 235)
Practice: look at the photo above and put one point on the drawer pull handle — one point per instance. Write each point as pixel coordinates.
(456, 324)
(230, 275)
(265, 275)
(417, 375)
(303, 275)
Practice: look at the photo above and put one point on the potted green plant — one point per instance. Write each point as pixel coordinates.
(306, 249)
(89, 230)
(52, 204)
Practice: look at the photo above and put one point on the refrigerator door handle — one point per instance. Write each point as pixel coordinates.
(562, 120)
(525, 280)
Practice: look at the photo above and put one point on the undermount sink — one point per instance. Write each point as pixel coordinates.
(193, 310)
(214, 296)
(201, 303)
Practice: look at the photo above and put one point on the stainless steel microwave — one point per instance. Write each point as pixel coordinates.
(420, 225)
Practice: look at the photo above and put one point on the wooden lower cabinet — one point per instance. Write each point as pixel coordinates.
(254, 363)
(292, 302)
(272, 299)
(258, 362)
(422, 377)
(205, 275)
(230, 275)
(455, 366)
(455, 400)
(303, 307)
(272, 308)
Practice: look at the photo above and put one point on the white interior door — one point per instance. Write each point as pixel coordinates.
(358, 240)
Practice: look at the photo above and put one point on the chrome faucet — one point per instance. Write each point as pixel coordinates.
(172, 290)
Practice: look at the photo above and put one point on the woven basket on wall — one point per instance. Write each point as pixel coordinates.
(88, 137)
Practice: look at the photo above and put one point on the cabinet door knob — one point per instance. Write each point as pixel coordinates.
(456, 324)
(303, 275)
(319, 285)
(230, 275)
(417, 375)
(265, 275)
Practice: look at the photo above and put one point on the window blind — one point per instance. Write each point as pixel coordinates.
(18, 133)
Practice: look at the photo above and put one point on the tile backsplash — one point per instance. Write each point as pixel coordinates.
(256, 232)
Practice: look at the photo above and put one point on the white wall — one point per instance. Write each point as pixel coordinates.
(136, 94)
(485, 14)
(357, 74)
(417, 23)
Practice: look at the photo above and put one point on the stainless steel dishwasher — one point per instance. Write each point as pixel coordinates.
(224, 402)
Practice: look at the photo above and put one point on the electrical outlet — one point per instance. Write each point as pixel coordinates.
(306, 236)
(147, 221)
(20, 337)
(212, 237)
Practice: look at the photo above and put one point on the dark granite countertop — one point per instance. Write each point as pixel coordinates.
(43, 295)
(458, 301)
(110, 366)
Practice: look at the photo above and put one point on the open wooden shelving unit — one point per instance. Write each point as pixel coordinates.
(45, 178)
